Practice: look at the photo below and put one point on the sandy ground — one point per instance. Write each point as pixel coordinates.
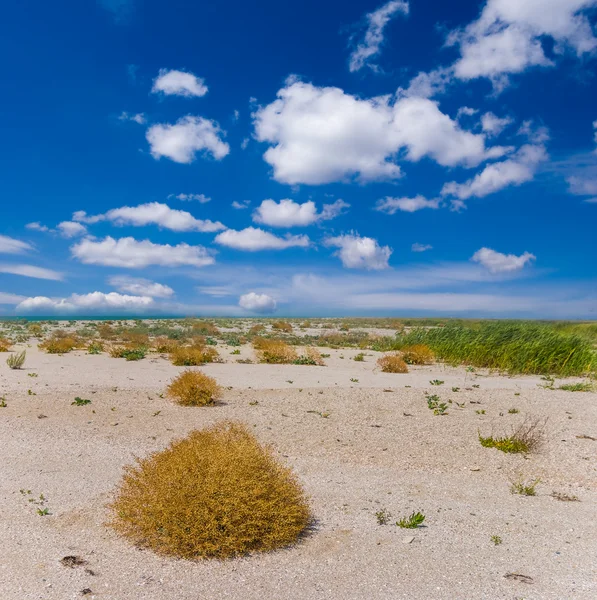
(379, 447)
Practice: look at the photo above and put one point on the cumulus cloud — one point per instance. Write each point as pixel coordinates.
(288, 213)
(258, 303)
(357, 252)
(152, 213)
(92, 302)
(493, 125)
(506, 38)
(322, 135)
(428, 84)
(181, 142)
(9, 245)
(140, 287)
(253, 239)
(201, 198)
(138, 118)
(6, 298)
(374, 36)
(31, 271)
(516, 170)
(178, 83)
(37, 226)
(71, 229)
(391, 205)
(131, 253)
(416, 247)
(496, 262)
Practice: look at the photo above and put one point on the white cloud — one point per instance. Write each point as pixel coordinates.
(496, 262)
(92, 302)
(138, 118)
(152, 213)
(179, 83)
(391, 205)
(71, 229)
(181, 142)
(240, 205)
(253, 239)
(427, 85)
(514, 171)
(128, 252)
(31, 271)
(37, 226)
(140, 287)
(466, 111)
(506, 38)
(6, 298)
(580, 186)
(288, 213)
(201, 198)
(416, 247)
(10, 245)
(259, 303)
(357, 252)
(493, 125)
(322, 135)
(376, 22)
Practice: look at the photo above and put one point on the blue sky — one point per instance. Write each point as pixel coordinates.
(313, 158)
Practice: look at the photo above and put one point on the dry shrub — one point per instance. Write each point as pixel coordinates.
(274, 352)
(311, 356)
(419, 354)
(5, 345)
(205, 328)
(134, 338)
(215, 494)
(35, 329)
(165, 344)
(392, 363)
(129, 352)
(257, 329)
(106, 332)
(59, 343)
(191, 356)
(283, 326)
(193, 388)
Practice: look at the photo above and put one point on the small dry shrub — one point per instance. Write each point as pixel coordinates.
(527, 437)
(392, 363)
(35, 329)
(59, 344)
(274, 352)
(205, 328)
(164, 344)
(419, 354)
(16, 361)
(129, 352)
(193, 388)
(106, 332)
(217, 493)
(191, 356)
(256, 329)
(283, 326)
(134, 338)
(5, 345)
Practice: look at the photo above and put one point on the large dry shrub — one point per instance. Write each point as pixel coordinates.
(165, 344)
(191, 356)
(256, 329)
(5, 345)
(274, 352)
(392, 363)
(205, 328)
(215, 494)
(193, 388)
(419, 354)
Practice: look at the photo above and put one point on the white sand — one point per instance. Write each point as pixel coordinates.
(367, 455)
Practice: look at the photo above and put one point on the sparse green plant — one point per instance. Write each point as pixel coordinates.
(3, 402)
(513, 411)
(496, 539)
(129, 352)
(42, 512)
(32, 375)
(577, 387)
(564, 497)
(437, 382)
(217, 493)
(413, 521)
(455, 389)
(360, 357)
(383, 516)
(527, 437)
(237, 351)
(434, 403)
(31, 393)
(480, 411)
(80, 401)
(524, 488)
(95, 347)
(17, 360)
(354, 380)
(193, 388)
